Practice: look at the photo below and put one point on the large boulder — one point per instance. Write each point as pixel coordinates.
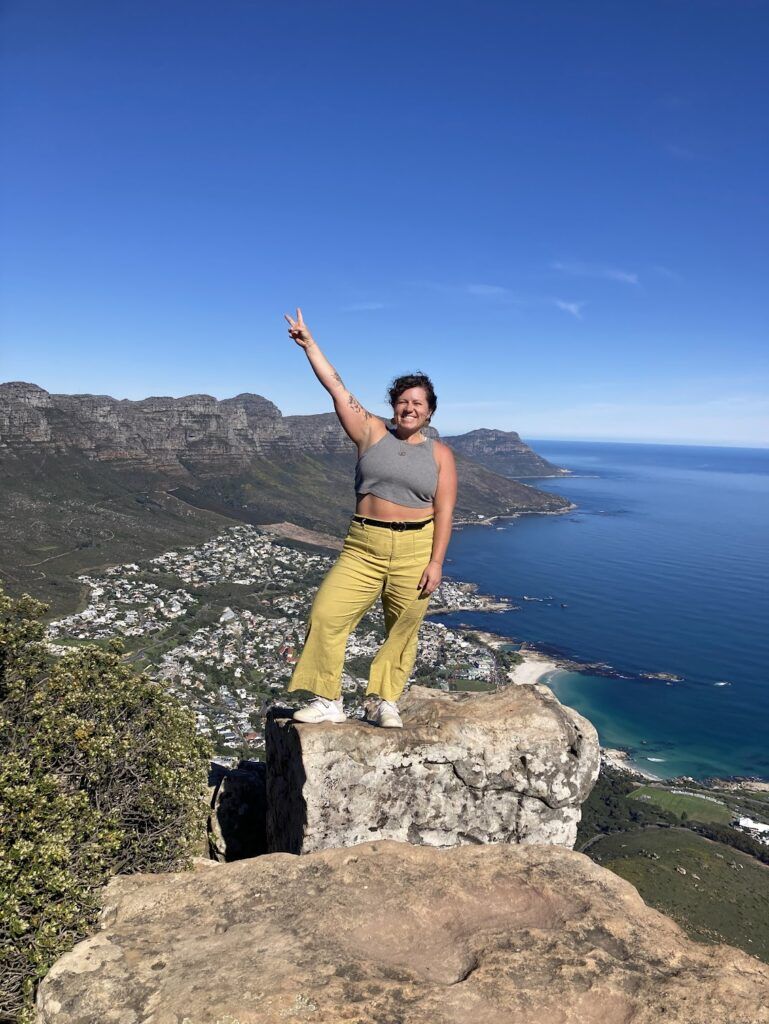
(512, 767)
(391, 932)
(237, 823)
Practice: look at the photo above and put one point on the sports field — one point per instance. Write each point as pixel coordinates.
(696, 807)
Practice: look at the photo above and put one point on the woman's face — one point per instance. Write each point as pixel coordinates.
(411, 409)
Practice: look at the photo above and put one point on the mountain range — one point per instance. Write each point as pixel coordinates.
(88, 480)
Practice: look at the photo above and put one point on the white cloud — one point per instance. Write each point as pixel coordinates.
(488, 290)
(731, 413)
(363, 307)
(575, 308)
(666, 272)
(577, 269)
(479, 289)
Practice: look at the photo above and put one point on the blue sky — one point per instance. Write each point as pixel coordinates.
(558, 210)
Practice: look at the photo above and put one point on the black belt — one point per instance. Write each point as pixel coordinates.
(406, 525)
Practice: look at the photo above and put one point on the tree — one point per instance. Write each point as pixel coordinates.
(101, 772)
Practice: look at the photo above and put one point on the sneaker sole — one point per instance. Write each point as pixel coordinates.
(319, 721)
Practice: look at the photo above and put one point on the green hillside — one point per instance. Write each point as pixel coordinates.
(722, 897)
(722, 893)
(699, 808)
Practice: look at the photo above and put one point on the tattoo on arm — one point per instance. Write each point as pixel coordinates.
(338, 378)
(355, 404)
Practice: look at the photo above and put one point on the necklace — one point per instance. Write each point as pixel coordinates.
(404, 445)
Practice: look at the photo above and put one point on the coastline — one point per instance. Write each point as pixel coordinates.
(535, 668)
(491, 520)
(538, 662)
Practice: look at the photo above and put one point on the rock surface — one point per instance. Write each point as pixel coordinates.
(198, 437)
(237, 823)
(503, 451)
(390, 932)
(512, 767)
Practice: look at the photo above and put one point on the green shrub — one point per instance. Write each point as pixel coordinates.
(101, 772)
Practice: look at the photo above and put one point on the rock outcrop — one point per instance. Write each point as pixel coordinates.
(391, 932)
(237, 823)
(239, 457)
(166, 434)
(512, 767)
(503, 452)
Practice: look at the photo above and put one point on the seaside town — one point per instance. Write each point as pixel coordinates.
(222, 624)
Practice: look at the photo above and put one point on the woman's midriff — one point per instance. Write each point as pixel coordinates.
(381, 508)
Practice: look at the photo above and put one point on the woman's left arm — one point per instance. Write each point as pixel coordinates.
(443, 504)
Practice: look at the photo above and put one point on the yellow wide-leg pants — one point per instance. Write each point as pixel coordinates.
(374, 561)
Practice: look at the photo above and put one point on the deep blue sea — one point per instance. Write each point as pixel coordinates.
(663, 567)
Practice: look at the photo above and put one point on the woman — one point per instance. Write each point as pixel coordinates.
(406, 488)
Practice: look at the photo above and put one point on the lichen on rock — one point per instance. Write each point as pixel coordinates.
(389, 931)
(512, 766)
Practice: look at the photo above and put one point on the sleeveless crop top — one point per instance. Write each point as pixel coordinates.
(397, 471)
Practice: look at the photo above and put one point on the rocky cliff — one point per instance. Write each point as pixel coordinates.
(391, 932)
(165, 433)
(90, 480)
(483, 915)
(157, 433)
(503, 451)
(510, 767)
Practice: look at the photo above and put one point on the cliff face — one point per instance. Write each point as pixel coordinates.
(165, 433)
(503, 451)
(503, 923)
(155, 432)
(387, 931)
(507, 767)
(104, 480)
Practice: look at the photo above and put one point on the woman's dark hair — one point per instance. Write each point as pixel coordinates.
(413, 380)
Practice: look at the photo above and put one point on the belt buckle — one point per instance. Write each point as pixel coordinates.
(399, 526)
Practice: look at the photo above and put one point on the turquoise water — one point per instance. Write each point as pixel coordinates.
(663, 567)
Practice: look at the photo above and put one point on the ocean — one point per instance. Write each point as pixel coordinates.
(662, 568)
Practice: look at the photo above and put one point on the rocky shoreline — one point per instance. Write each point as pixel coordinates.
(538, 664)
(458, 523)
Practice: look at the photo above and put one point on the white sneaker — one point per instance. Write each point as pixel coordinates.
(321, 709)
(386, 715)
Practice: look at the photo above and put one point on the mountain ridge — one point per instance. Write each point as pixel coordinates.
(90, 480)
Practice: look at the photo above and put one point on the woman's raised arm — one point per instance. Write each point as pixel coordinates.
(355, 420)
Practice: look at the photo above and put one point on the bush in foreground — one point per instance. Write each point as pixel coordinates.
(101, 772)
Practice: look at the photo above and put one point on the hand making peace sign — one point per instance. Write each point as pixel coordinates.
(298, 330)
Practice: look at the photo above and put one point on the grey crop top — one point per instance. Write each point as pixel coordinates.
(397, 471)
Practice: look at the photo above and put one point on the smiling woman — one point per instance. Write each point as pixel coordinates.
(406, 488)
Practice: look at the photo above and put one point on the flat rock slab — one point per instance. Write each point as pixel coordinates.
(390, 932)
(512, 766)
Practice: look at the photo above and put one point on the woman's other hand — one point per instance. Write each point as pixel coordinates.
(431, 577)
(299, 330)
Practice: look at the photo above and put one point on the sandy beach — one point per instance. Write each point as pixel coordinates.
(532, 668)
(536, 665)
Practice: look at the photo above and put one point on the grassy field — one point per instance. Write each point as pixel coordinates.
(696, 807)
(471, 686)
(723, 897)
